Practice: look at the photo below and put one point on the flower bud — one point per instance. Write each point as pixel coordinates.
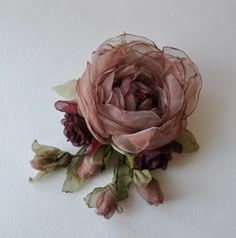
(87, 169)
(151, 192)
(49, 158)
(35, 163)
(106, 204)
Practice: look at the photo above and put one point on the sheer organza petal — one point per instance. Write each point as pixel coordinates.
(137, 120)
(67, 106)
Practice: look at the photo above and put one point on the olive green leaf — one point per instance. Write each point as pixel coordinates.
(67, 90)
(98, 156)
(118, 149)
(91, 198)
(188, 142)
(121, 181)
(45, 150)
(37, 177)
(141, 177)
(73, 182)
(50, 158)
(129, 157)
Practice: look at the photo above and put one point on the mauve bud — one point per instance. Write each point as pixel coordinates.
(88, 169)
(49, 158)
(106, 204)
(35, 163)
(151, 192)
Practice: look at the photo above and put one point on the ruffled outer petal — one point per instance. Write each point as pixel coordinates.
(151, 138)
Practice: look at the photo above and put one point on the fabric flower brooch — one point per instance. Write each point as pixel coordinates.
(128, 110)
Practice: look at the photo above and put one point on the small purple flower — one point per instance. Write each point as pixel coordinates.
(75, 129)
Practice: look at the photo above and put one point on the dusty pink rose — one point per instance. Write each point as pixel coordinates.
(151, 193)
(106, 204)
(137, 96)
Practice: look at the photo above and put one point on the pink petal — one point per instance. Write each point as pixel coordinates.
(193, 86)
(175, 95)
(125, 70)
(151, 138)
(117, 98)
(137, 120)
(87, 106)
(67, 106)
(130, 104)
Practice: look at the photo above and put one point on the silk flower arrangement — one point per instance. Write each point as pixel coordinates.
(128, 110)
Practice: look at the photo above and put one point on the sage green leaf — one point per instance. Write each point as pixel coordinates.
(121, 181)
(37, 177)
(141, 177)
(45, 150)
(129, 157)
(73, 182)
(188, 142)
(98, 156)
(67, 90)
(91, 198)
(118, 149)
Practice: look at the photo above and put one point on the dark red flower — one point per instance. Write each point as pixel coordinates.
(75, 129)
(154, 159)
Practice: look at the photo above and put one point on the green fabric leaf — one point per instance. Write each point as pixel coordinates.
(129, 157)
(121, 181)
(98, 156)
(91, 198)
(118, 149)
(73, 182)
(37, 177)
(67, 90)
(45, 150)
(188, 142)
(141, 177)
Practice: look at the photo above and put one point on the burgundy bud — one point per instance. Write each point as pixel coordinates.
(106, 204)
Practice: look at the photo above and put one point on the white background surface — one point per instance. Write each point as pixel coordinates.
(45, 43)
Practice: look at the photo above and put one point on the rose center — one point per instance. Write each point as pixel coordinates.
(141, 97)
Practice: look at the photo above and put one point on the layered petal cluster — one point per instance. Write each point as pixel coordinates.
(75, 128)
(137, 96)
